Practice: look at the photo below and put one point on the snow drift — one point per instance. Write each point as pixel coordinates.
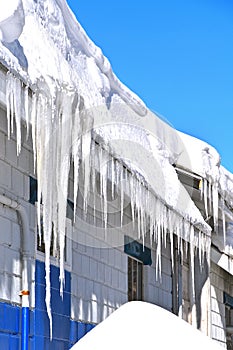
(140, 325)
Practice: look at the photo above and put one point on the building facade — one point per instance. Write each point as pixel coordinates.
(139, 225)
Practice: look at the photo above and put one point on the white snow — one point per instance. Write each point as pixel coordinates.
(139, 325)
(203, 159)
(11, 20)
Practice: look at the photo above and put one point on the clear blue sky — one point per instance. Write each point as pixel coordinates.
(177, 55)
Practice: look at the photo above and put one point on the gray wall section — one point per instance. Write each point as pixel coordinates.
(14, 183)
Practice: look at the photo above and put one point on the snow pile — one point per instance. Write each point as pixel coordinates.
(139, 325)
(11, 20)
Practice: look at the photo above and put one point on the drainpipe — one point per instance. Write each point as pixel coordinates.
(25, 247)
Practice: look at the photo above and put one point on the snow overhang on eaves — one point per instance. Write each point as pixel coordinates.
(2, 87)
(147, 146)
(222, 260)
(74, 58)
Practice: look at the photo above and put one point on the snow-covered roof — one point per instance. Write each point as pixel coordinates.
(63, 57)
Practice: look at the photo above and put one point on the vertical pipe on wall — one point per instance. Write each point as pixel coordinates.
(25, 248)
(25, 323)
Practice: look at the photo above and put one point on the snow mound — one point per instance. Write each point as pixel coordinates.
(12, 20)
(138, 325)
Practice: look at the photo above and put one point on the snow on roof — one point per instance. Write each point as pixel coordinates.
(203, 158)
(63, 56)
(139, 325)
(11, 20)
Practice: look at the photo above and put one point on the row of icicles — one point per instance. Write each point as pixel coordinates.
(62, 130)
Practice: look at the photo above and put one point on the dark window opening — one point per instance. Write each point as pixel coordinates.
(54, 246)
(135, 279)
(32, 190)
(189, 179)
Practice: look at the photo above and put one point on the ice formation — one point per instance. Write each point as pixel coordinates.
(79, 111)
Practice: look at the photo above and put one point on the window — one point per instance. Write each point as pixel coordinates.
(181, 284)
(32, 190)
(54, 248)
(135, 278)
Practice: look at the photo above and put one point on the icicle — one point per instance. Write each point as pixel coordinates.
(210, 192)
(42, 137)
(165, 225)
(205, 191)
(113, 176)
(100, 164)
(179, 224)
(64, 168)
(8, 102)
(186, 232)
(14, 107)
(138, 207)
(171, 239)
(48, 288)
(142, 209)
(151, 219)
(215, 205)
(192, 282)
(33, 122)
(38, 158)
(26, 108)
(86, 128)
(200, 250)
(158, 252)
(103, 181)
(76, 152)
(53, 167)
(93, 177)
(132, 197)
(18, 110)
(223, 221)
(192, 247)
(122, 192)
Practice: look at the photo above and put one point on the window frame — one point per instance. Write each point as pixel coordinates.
(132, 262)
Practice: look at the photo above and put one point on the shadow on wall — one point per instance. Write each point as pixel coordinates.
(201, 276)
(17, 50)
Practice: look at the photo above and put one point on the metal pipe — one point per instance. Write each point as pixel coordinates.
(25, 248)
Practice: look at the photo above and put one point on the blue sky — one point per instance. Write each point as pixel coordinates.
(176, 55)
